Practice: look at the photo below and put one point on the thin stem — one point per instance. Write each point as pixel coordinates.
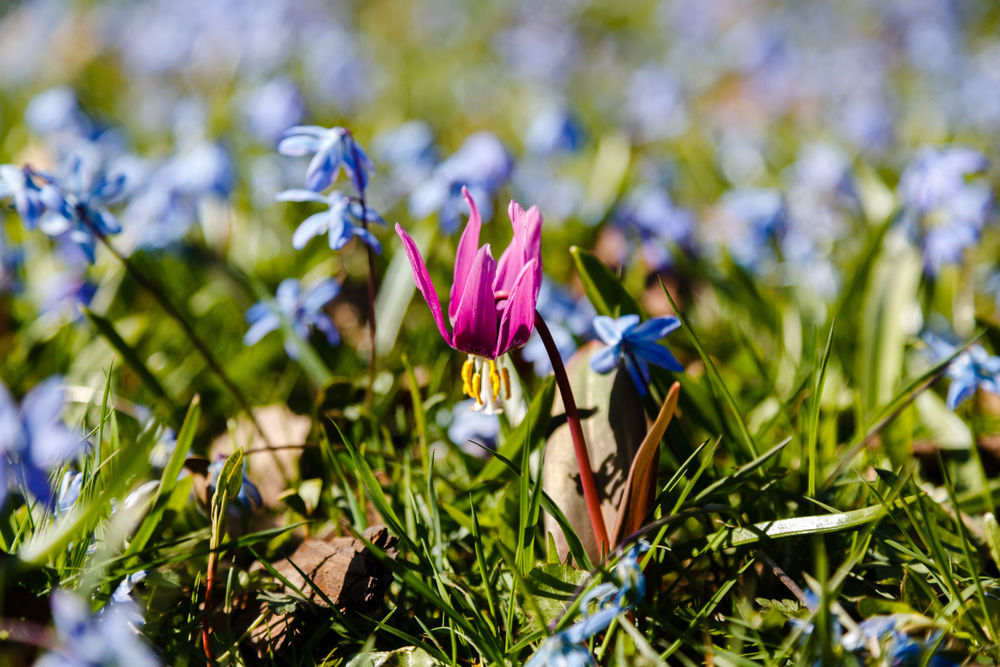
(369, 394)
(206, 621)
(576, 432)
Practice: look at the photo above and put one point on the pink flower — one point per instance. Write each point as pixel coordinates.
(492, 303)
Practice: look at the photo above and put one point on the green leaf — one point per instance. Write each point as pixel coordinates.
(554, 587)
(603, 288)
(532, 429)
(992, 530)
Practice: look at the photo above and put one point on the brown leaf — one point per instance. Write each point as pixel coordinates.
(614, 424)
(343, 569)
(640, 488)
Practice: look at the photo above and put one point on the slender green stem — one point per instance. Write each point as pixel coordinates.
(576, 432)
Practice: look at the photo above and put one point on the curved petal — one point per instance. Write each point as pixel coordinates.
(468, 246)
(320, 294)
(610, 330)
(323, 168)
(639, 370)
(518, 318)
(656, 354)
(654, 329)
(261, 328)
(53, 445)
(298, 194)
(476, 318)
(313, 226)
(298, 145)
(424, 284)
(604, 360)
(44, 403)
(514, 257)
(368, 238)
(325, 324)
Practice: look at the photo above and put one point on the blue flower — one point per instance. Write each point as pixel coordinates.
(554, 130)
(75, 202)
(482, 164)
(332, 149)
(609, 600)
(468, 425)
(300, 311)
(751, 220)
(33, 439)
(636, 345)
(341, 221)
(659, 224)
(971, 369)
(942, 207)
(95, 640)
(16, 185)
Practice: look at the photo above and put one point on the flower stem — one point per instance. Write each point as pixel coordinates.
(369, 393)
(576, 432)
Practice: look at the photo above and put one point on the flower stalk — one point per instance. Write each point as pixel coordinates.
(576, 433)
(369, 394)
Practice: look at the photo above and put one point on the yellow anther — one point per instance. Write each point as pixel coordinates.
(494, 380)
(467, 369)
(476, 382)
(506, 383)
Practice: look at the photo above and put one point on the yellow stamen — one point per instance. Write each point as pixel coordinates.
(494, 379)
(476, 383)
(467, 369)
(506, 382)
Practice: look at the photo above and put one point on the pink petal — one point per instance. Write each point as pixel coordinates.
(513, 258)
(519, 315)
(424, 284)
(476, 319)
(468, 245)
(533, 245)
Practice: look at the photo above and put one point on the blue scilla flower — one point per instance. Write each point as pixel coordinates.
(17, 186)
(554, 130)
(482, 164)
(332, 149)
(972, 369)
(600, 606)
(95, 640)
(75, 202)
(33, 439)
(342, 220)
(11, 261)
(70, 487)
(944, 206)
(468, 425)
(635, 344)
(649, 215)
(752, 219)
(301, 311)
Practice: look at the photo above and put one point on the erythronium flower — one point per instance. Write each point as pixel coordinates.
(332, 148)
(636, 344)
(492, 303)
(300, 310)
(342, 220)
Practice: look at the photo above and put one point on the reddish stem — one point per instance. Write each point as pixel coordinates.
(576, 432)
(207, 618)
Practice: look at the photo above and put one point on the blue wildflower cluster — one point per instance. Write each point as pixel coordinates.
(600, 606)
(635, 345)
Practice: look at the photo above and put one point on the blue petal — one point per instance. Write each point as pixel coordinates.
(656, 354)
(322, 168)
(298, 145)
(639, 373)
(654, 329)
(313, 226)
(321, 294)
(261, 328)
(298, 194)
(605, 360)
(326, 326)
(368, 238)
(959, 392)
